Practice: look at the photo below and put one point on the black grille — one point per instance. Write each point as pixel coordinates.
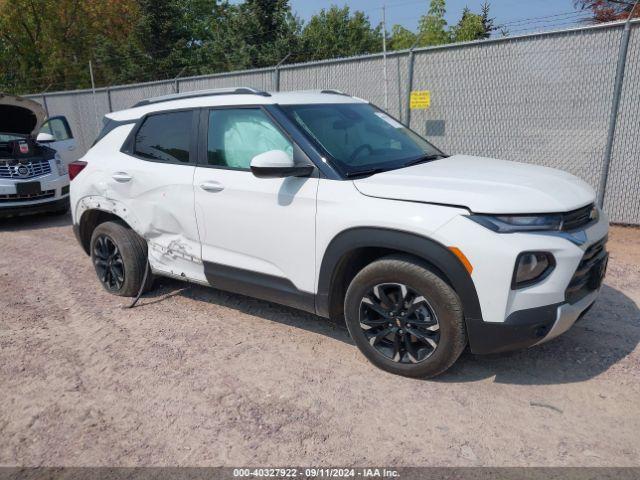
(590, 272)
(579, 218)
(14, 197)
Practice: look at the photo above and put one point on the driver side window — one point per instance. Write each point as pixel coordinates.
(236, 135)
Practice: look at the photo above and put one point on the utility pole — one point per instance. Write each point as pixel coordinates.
(384, 55)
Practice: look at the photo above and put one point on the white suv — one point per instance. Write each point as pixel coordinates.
(33, 166)
(323, 202)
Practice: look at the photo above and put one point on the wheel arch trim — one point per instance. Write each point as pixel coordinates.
(417, 245)
(98, 205)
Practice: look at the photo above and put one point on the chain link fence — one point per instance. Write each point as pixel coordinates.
(540, 98)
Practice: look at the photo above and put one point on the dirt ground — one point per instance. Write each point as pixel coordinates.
(196, 376)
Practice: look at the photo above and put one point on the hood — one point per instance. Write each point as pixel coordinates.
(20, 116)
(483, 185)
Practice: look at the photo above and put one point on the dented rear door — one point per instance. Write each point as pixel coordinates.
(152, 179)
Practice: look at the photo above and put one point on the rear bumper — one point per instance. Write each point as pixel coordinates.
(525, 328)
(56, 205)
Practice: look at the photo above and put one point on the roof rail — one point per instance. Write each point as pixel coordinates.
(203, 93)
(334, 92)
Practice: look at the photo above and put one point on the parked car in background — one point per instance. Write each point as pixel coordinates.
(34, 157)
(323, 202)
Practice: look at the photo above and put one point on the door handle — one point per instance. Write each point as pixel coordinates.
(121, 177)
(211, 186)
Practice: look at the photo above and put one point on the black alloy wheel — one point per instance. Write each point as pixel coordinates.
(108, 263)
(399, 323)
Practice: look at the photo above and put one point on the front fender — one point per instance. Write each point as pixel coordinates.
(422, 247)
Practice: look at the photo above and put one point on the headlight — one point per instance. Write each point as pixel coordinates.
(518, 223)
(60, 165)
(532, 267)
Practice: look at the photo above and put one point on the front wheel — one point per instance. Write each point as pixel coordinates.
(404, 318)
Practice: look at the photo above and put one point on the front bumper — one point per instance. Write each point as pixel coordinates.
(57, 205)
(526, 328)
(568, 314)
(515, 319)
(54, 196)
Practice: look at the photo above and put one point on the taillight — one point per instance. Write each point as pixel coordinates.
(75, 168)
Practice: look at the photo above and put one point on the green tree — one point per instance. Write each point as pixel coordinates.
(162, 36)
(247, 35)
(488, 22)
(270, 30)
(401, 38)
(470, 27)
(48, 44)
(338, 33)
(432, 29)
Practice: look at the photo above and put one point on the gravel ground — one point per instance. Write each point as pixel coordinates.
(196, 376)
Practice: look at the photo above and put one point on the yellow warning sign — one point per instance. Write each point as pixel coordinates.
(420, 99)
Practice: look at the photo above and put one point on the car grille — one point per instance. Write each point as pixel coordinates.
(25, 169)
(14, 197)
(579, 218)
(590, 272)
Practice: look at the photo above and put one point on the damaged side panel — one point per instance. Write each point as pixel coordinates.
(155, 199)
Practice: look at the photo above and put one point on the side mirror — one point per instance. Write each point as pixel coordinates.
(278, 164)
(45, 137)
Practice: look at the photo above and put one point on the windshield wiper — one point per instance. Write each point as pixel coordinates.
(365, 173)
(373, 171)
(426, 158)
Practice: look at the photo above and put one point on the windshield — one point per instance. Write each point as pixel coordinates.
(360, 138)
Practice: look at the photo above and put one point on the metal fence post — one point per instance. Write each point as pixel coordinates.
(176, 81)
(276, 72)
(44, 104)
(399, 88)
(276, 78)
(109, 100)
(615, 105)
(409, 87)
(95, 103)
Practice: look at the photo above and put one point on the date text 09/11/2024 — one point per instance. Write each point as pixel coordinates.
(316, 472)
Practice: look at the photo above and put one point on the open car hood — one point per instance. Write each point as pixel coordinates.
(20, 116)
(483, 185)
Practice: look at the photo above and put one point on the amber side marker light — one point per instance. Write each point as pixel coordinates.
(465, 261)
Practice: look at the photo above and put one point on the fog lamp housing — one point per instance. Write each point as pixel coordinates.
(531, 268)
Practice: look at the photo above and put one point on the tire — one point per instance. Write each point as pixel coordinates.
(127, 271)
(427, 301)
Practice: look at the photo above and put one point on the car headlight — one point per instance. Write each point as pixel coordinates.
(518, 223)
(60, 165)
(532, 267)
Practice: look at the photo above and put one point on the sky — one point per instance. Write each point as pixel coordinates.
(520, 16)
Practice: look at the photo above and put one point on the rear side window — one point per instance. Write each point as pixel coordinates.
(165, 137)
